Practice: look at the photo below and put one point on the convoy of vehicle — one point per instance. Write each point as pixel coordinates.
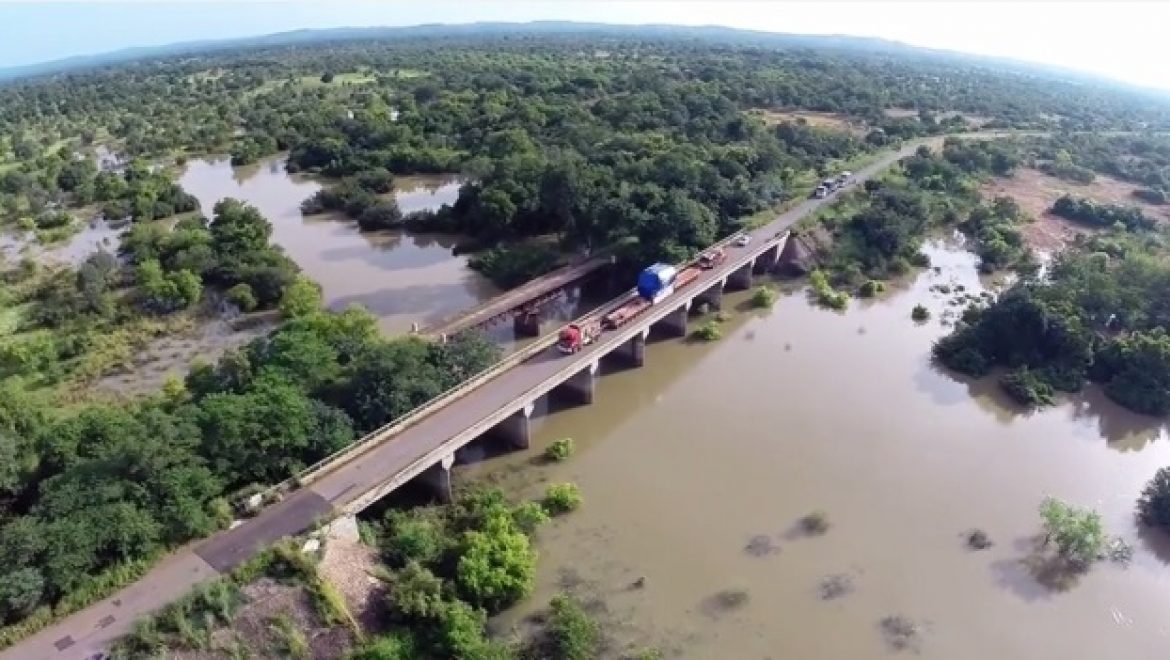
(654, 284)
(832, 185)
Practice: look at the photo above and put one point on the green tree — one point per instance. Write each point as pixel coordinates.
(416, 593)
(1154, 504)
(20, 592)
(496, 565)
(241, 296)
(1078, 533)
(301, 298)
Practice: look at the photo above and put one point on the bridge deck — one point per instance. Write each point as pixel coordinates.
(517, 297)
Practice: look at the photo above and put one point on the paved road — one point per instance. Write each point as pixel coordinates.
(516, 297)
(92, 629)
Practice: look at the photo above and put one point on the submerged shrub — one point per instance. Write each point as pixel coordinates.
(561, 498)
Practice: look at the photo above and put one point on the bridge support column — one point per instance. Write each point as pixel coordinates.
(742, 277)
(580, 387)
(713, 296)
(516, 429)
(438, 478)
(526, 324)
(676, 321)
(769, 259)
(634, 350)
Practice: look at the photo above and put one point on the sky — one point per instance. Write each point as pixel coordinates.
(1121, 40)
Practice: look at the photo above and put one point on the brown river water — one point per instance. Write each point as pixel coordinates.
(401, 277)
(696, 468)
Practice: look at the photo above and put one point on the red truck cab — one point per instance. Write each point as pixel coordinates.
(574, 337)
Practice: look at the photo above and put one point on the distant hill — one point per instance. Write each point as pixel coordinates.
(710, 33)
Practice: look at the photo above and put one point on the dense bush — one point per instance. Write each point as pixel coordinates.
(561, 498)
(1154, 504)
(1065, 329)
(513, 265)
(1026, 387)
(1102, 215)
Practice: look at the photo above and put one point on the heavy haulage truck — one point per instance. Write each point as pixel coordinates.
(655, 284)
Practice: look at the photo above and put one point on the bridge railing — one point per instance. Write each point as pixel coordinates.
(361, 445)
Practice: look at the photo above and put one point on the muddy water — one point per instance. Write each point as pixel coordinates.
(696, 468)
(401, 277)
(95, 234)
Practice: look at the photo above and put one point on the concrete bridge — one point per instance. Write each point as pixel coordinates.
(421, 446)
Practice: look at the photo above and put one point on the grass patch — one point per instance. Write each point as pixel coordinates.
(291, 641)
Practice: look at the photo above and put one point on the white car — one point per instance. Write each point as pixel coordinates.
(742, 240)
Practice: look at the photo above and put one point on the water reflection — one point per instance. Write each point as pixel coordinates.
(402, 278)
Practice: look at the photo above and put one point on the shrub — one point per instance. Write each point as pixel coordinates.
(497, 565)
(415, 593)
(241, 296)
(1154, 504)
(414, 539)
(381, 215)
(399, 645)
(871, 288)
(560, 449)
(1026, 387)
(816, 522)
(824, 294)
(528, 516)
(561, 498)
(1151, 195)
(572, 633)
(763, 297)
(1078, 533)
(301, 298)
(920, 313)
(709, 331)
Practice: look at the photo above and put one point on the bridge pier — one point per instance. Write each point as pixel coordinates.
(676, 321)
(526, 324)
(580, 387)
(634, 350)
(713, 296)
(741, 278)
(438, 478)
(769, 259)
(516, 429)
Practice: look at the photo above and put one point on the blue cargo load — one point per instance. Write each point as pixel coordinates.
(655, 281)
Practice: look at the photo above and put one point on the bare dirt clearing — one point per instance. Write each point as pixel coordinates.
(976, 121)
(1035, 192)
(350, 566)
(827, 120)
